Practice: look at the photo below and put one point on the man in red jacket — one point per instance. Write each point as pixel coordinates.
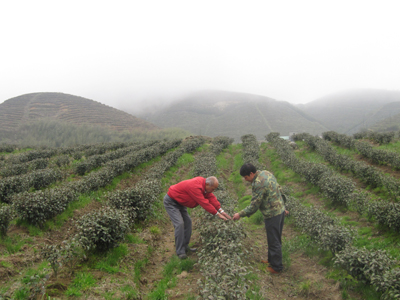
(190, 193)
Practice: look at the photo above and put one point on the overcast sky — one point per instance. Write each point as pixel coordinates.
(137, 51)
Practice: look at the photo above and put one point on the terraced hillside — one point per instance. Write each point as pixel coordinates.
(19, 111)
(100, 231)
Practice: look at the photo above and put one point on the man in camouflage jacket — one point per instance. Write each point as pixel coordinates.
(267, 197)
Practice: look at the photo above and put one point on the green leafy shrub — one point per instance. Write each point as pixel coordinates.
(54, 255)
(137, 200)
(364, 264)
(103, 229)
(38, 207)
(321, 228)
(7, 214)
(62, 160)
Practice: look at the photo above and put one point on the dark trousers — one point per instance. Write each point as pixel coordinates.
(274, 227)
(182, 223)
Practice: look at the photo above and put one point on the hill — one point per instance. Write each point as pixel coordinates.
(392, 120)
(352, 111)
(214, 113)
(22, 110)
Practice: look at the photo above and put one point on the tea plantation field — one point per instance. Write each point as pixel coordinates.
(87, 222)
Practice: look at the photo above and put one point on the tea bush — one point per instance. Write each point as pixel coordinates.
(103, 229)
(40, 206)
(364, 264)
(324, 230)
(378, 156)
(369, 174)
(7, 214)
(136, 201)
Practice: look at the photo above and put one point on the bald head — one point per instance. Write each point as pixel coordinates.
(211, 184)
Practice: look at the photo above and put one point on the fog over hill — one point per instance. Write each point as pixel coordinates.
(214, 113)
(351, 111)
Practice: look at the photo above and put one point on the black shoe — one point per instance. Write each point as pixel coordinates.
(182, 256)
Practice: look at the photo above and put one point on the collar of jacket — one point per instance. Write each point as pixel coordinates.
(255, 177)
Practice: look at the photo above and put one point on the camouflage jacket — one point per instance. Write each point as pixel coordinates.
(266, 196)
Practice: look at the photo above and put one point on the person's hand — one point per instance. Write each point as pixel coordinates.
(226, 215)
(236, 216)
(222, 217)
(286, 212)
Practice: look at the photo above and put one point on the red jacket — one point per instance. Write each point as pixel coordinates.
(192, 192)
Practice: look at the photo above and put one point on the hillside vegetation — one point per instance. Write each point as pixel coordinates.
(214, 113)
(56, 119)
(21, 110)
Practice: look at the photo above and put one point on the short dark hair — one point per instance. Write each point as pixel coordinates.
(246, 169)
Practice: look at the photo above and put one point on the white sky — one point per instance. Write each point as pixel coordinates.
(136, 51)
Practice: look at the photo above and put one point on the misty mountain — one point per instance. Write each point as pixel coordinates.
(391, 122)
(349, 112)
(22, 110)
(214, 113)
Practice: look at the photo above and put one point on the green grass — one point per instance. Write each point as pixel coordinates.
(6, 264)
(82, 282)
(15, 243)
(32, 279)
(109, 262)
(348, 282)
(395, 147)
(222, 162)
(129, 292)
(174, 267)
(138, 267)
(22, 293)
(172, 176)
(155, 230)
(134, 239)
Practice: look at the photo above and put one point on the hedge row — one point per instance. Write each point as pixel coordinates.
(104, 147)
(221, 256)
(338, 189)
(378, 137)
(87, 150)
(31, 155)
(8, 148)
(104, 229)
(367, 173)
(251, 149)
(378, 156)
(30, 207)
(23, 168)
(372, 266)
(322, 229)
(17, 184)
(99, 160)
(219, 143)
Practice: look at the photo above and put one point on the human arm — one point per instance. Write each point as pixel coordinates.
(214, 202)
(222, 216)
(255, 203)
(222, 212)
